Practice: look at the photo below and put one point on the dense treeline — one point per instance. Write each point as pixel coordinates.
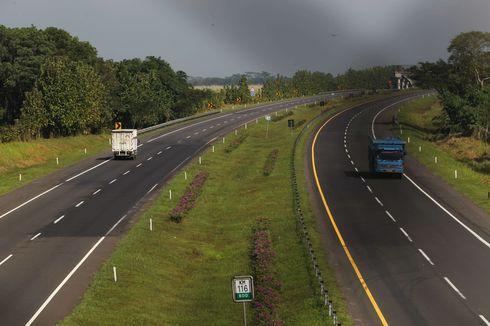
(463, 85)
(52, 84)
(253, 78)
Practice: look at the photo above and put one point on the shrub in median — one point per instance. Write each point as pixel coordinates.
(267, 287)
(270, 162)
(186, 202)
(235, 143)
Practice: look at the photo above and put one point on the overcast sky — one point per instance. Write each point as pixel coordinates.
(222, 37)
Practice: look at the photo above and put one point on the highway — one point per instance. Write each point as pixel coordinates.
(56, 232)
(415, 252)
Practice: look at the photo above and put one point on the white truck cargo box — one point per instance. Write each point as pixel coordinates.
(125, 143)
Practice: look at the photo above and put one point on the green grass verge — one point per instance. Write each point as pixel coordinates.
(416, 122)
(37, 158)
(179, 274)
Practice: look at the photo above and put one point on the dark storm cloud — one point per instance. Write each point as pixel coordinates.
(220, 37)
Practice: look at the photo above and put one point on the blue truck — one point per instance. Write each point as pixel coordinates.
(386, 156)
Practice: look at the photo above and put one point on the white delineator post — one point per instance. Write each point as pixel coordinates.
(115, 273)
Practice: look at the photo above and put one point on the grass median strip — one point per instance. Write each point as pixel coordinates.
(179, 273)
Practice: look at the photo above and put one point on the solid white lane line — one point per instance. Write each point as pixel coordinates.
(454, 288)
(168, 147)
(476, 235)
(58, 219)
(160, 152)
(58, 288)
(34, 237)
(5, 260)
(484, 320)
(406, 234)
(426, 257)
(81, 173)
(79, 204)
(156, 184)
(139, 165)
(114, 180)
(96, 192)
(27, 202)
(379, 201)
(369, 189)
(126, 172)
(149, 158)
(390, 216)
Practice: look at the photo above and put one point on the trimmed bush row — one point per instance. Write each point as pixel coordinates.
(270, 162)
(281, 116)
(235, 143)
(267, 287)
(187, 201)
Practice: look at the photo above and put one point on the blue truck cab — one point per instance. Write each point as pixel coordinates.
(386, 155)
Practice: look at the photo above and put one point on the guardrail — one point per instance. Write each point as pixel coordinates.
(327, 302)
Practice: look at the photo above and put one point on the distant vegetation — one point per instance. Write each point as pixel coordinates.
(463, 83)
(52, 84)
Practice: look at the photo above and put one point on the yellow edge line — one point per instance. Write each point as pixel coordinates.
(334, 224)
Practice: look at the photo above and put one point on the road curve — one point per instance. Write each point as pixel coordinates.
(421, 248)
(56, 232)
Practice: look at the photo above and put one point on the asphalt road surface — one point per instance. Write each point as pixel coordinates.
(422, 250)
(56, 232)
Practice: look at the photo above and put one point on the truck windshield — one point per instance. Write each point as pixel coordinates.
(390, 155)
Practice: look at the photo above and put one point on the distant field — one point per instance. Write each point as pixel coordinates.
(217, 88)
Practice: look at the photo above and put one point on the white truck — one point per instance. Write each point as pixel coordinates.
(125, 143)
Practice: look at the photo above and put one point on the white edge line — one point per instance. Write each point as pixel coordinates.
(476, 235)
(27, 202)
(406, 234)
(58, 288)
(454, 288)
(426, 257)
(390, 216)
(186, 127)
(5, 260)
(484, 320)
(156, 184)
(37, 235)
(81, 173)
(59, 219)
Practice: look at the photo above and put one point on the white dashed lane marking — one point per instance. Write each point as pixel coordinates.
(369, 189)
(379, 201)
(112, 181)
(160, 152)
(96, 192)
(426, 257)
(126, 172)
(5, 260)
(454, 288)
(149, 158)
(79, 204)
(37, 235)
(139, 165)
(406, 234)
(58, 219)
(390, 216)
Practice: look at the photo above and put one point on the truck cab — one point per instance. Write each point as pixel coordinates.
(386, 156)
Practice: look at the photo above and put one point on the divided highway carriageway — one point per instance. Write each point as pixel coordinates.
(410, 251)
(56, 232)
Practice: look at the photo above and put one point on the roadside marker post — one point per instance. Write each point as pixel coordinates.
(115, 273)
(170, 194)
(57, 161)
(267, 118)
(185, 175)
(243, 291)
(151, 224)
